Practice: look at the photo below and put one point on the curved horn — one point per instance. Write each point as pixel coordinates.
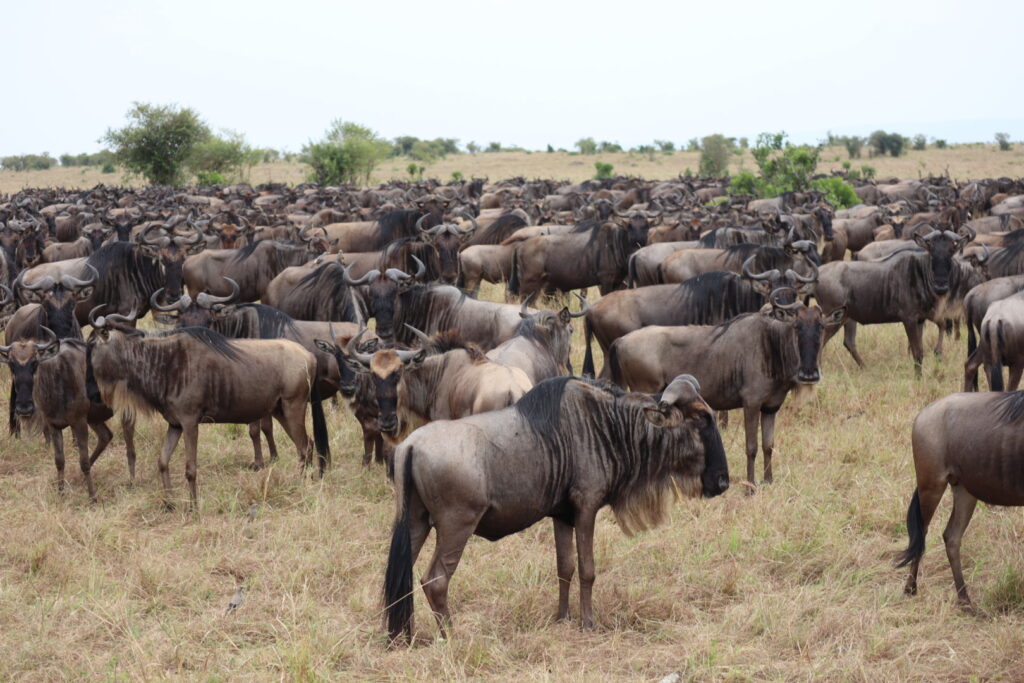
(44, 283)
(809, 278)
(472, 219)
(93, 320)
(179, 305)
(74, 283)
(419, 223)
(767, 275)
(526, 302)
(774, 299)
(145, 236)
(51, 338)
(8, 294)
(355, 283)
(352, 349)
(584, 306)
(427, 341)
(421, 268)
(118, 318)
(985, 254)
(207, 300)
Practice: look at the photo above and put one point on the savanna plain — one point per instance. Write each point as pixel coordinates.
(794, 582)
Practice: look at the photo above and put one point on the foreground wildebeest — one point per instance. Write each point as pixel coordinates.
(48, 382)
(975, 444)
(445, 378)
(908, 287)
(541, 345)
(196, 376)
(565, 450)
(708, 299)
(751, 362)
(439, 308)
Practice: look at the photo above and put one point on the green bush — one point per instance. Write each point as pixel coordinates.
(586, 146)
(665, 145)
(714, 155)
(837, 191)
(744, 182)
(157, 141)
(456, 176)
(210, 178)
(100, 158)
(783, 167)
(226, 158)
(884, 143)
(853, 145)
(348, 154)
(108, 168)
(28, 162)
(604, 170)
(493, 147)
(920, 143)
(472, 147)
(940, 144)
(427, 151)
(1003, 139)
(609, 147)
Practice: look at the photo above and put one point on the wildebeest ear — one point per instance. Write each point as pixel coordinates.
(5, 353)
(355, 364)
(836, 317)
(762, 287)
(325, 346)
(783, 315)
(198, 247)
(150, 250)
(565, 315)
(920, 240)
(83, 293)
(663, 415)
(222, 310)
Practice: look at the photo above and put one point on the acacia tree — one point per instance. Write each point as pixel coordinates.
(157, 141)
(348, 154)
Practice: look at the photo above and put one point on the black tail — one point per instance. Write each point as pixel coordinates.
(320, 438)
(513, 278)
(972, 345)
(631, 272)
(398, 602)
(915, 529)
(588, 356)
(12, 421)
(612, 361)
(996, 346)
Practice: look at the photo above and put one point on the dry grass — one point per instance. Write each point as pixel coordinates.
(796, 582)
(962, 162)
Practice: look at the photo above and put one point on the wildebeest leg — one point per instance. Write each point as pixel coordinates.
(1015, 372)
(850, 340)
(191, 448)
(267, 424)
(929, 495)
(723, 419)
(971, 366)
(81, 433)
(57, 441)
(584, 524)
(103, 437)
(257, 447)
(566, 565)
(453, 532)
(368, 446)
(767, 442)
(913, 328)
(938, 342)
(751, 417)
(963, 509)
(128, 430)
(293, 418)
(170, 443)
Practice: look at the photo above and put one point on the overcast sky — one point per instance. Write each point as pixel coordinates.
(522, 72)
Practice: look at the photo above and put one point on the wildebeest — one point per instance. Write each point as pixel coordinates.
(321, 294)
(1002, 343)
(445, 378)
(194, 376)
(907, 287)
(48, 382)
(976, 305)
(541, 345)
(707, 299)
(689, 263)
(975, 444)
(751, 362)
(565, 450)
(252, 266)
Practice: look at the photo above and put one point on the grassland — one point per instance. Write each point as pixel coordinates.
(962, 162)
(795, 582)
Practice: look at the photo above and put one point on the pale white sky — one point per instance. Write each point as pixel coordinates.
(524, 72)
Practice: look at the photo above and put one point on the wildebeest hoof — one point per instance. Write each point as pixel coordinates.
(256, 466)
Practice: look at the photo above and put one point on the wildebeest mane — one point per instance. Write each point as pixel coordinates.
(256, 321)
(399, 253)
(451, 340)
(122, 271)
(500, 230)
(713, 297)
(397, 224)
(541, 405)
(1009, 260)
(322, 294)
(210, 338)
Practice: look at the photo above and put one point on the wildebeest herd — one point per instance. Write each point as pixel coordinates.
(708, 303)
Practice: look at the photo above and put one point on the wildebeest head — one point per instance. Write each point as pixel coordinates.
(342, 349)
(386, 368)
(792, 283)
(58, 298)
(161, 242)
(232, 235)
(382, 290)
(97, 234)
(553, 331)
(807, 326)
(108, 335)
(681, 402)
(941, 247)
(447, 239)
(23, 358)
(200, 312)
(637, 223)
